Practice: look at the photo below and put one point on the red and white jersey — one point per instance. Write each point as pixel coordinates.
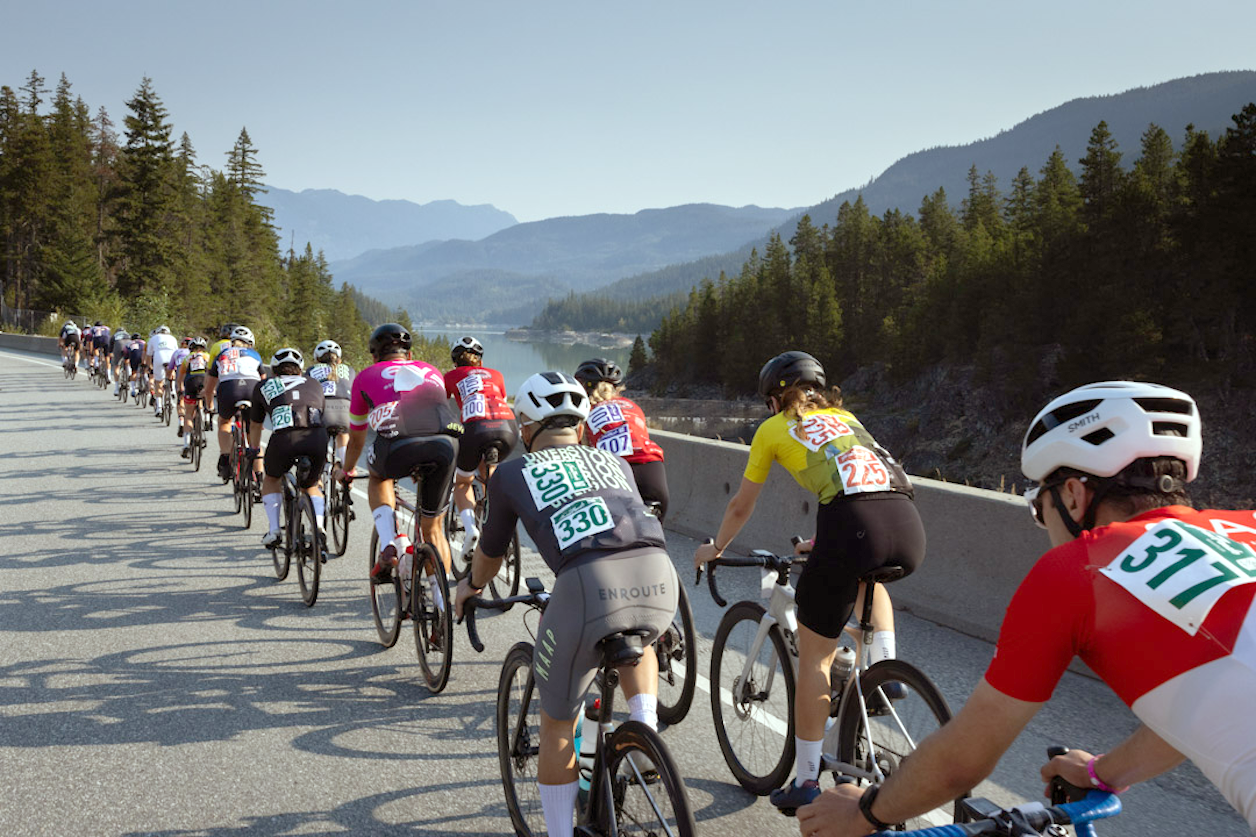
(378, 387)
(480, 393)
(618, 426)
(1160, 607)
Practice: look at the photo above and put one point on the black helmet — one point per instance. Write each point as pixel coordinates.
(226, 330)
(789, 368)
(97, 324)
(386, 335)
(599, 369)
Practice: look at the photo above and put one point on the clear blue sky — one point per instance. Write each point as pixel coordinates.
(568, 108)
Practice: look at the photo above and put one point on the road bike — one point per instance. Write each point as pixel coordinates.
(141, 391)
(69, 366)
(634, 786)
(243, 479)
(1070, 805)
(196, 447)
(339, 501)
(301, 539)
(506, 582)
(878, 714)
(677, 653)
(405, 594)
(167, 403)
(124, 387)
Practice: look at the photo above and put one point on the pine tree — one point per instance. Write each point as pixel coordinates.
(637, 359)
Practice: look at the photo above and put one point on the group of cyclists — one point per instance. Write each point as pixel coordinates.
(1156, 597)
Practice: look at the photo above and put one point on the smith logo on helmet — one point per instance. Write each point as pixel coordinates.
(1083, 422)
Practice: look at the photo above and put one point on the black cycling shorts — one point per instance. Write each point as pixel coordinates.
(433, 456)
(285, 446)
(336, 414)
(193, 386)
(479, 436)
(855, 536)
(70, 340)
(229, 392)
(651, 480)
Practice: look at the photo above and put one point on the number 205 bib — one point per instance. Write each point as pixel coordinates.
(1180, 571)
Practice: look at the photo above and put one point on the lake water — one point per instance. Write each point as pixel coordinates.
(517, 361)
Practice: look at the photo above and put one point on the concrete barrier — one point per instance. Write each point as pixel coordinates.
(980, 543)
(30, 343)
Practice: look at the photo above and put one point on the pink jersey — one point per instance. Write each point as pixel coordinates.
(380, 385)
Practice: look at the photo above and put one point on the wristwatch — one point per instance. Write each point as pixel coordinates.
(865, 808)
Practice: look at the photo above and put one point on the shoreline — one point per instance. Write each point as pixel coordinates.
(597, 339)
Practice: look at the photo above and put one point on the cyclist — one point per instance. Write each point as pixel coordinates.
(337, 381)
(161, 348)
(618, 425)
(223, 341)
(135, 361)
(294, 404)
(68, 342)
(1156, 597)
(865, 519)
(119, 342)
(171, 371)
(190, 381)
(232, 374)
(100, 336)
(487, 420)
(404, 402)
(581, 507)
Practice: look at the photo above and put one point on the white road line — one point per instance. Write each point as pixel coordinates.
(31, 360)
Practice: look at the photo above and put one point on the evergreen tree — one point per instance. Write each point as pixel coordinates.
(637, 359)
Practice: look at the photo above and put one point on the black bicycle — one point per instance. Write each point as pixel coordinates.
(196, 447)
(301, 541)
(243, 478)
(405, 594)
(339, 501)
(634, 786)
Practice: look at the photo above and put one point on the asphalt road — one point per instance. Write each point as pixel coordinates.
(156, 679)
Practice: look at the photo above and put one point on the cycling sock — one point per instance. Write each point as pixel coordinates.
(385, 525)
(467, 516)
(272, 503)
(558, 803)
(806, 760)
(438, 595)
(644, 707)
(320, 506)
(187, 440)
(340, 453)
(882, 646)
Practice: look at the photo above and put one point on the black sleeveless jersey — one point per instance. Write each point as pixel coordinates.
(291, 401)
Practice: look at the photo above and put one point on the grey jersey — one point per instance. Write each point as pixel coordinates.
(573, 501)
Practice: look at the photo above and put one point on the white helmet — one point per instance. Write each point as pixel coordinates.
(162, 330)
(242, 333)
(466, 344)
(1101, 428)
(69, 324)
(549, 395)
(286, 355)
(327, 347)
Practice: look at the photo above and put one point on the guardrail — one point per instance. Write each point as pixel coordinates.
(30, 343)
(980, 543)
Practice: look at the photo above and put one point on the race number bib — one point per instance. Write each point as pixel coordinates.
(861, 470)
(552, 483)
(281, 418)
(579, 519)
(329, 388)
(1180, 571)
(617, 441)
(474, 407)
(196, 363)
(605, 415)
(818, 429)
(272, 389)
(229, 362)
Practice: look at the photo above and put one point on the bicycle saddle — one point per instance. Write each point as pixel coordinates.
(883, 575)
(622, 648)
(245, 403)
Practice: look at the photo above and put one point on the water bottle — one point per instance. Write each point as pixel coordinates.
(586, 744)
(843, 665)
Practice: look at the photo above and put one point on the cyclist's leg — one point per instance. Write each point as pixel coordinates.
(469, 449)
(312, 442)
(883, 645)
(276, 461)
(439, 454)
(651, 478)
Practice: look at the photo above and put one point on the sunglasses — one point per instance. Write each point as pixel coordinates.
(1033, 496)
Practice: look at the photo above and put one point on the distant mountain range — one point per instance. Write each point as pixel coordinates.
(1207, 101)
(344, 226)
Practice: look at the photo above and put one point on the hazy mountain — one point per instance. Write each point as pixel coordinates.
(343, 226)
(1207, 101)
(580, 252)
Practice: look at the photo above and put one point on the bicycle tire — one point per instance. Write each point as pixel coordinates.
(246, 497)
(677, 652)
(281, 554)
(627, 785)
(339, 510)
(895, 736)
(757, 744)
(167, 404)
(456, 534)
(233, 465)
(433, 624)
(123, 391)
(519, 740)
(197, 440)
(506, 582)
(308, 558)
(386, 605)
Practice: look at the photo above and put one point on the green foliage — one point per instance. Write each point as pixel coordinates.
(142, 235)
(1140, 273)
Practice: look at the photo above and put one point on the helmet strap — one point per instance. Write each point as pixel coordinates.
(1075, 529)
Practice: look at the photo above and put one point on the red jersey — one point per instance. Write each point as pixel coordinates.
(480, 393)
(618, 426)
(1161, 607)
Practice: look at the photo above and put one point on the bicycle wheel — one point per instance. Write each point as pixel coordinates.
(198, 440)
(386, 606)
(519, 740)
(753, 714)
(642, 804)
(456, 534)
(246, 496)
(339, 511)
(895, 727)
(433, 622)
(506, 582)
(305, 545)
(167, 404)
(677, 652)
(281, 554)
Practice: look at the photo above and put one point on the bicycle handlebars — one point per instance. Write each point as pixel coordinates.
(757, 558)
(537, 598)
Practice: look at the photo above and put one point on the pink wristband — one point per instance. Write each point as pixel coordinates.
(1096, 782)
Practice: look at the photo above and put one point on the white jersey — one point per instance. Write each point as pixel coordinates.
(160, 349)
